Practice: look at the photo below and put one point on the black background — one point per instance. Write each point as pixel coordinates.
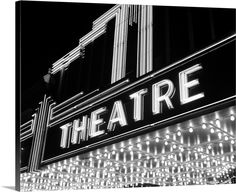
(48, 31)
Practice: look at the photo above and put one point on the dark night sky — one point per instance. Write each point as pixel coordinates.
(49, 30)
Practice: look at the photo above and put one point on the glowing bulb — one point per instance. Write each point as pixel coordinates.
(190, 129)
(217, 122)
(174, 146)
(157, 140)
(232, 118)
(166, 143)
(226, 138)
(220, 144)
(122, 150)
(139, 156)
(179, 133)
(209, 147)
(212, 130)
(220, 135)
(147, 142)
(232, 142)
(139, 145)
(204, 126)
(167, 136)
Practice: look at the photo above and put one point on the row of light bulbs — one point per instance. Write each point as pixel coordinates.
(135, 161)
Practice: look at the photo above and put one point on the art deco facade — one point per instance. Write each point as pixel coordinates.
(147, 98)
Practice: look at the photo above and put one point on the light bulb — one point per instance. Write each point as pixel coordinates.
(212, 130)
(204, 126)
(226, 138)
(232, 118)
(190, 129)
(139, 145)
(139, 156)
(157, 140)
(130, 147)
(179, 133)
(217, 122)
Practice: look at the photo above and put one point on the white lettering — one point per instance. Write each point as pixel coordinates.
(158, 97)
(79, 130)
(117, 116)
(96, 122)
(138, 104)
(162, 92)
(185, 85)
(65, 137)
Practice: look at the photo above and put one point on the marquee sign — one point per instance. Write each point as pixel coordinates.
(184, 87)
(84, 128)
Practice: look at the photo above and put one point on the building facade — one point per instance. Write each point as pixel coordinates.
(147, 98)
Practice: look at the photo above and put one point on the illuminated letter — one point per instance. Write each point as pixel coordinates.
(117, 116)
(65, 140)
(96, 121)
(185, 85)
(157, 96)
(138, 104)
(79, 128)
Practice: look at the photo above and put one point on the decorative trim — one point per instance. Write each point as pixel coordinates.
(145, 39)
